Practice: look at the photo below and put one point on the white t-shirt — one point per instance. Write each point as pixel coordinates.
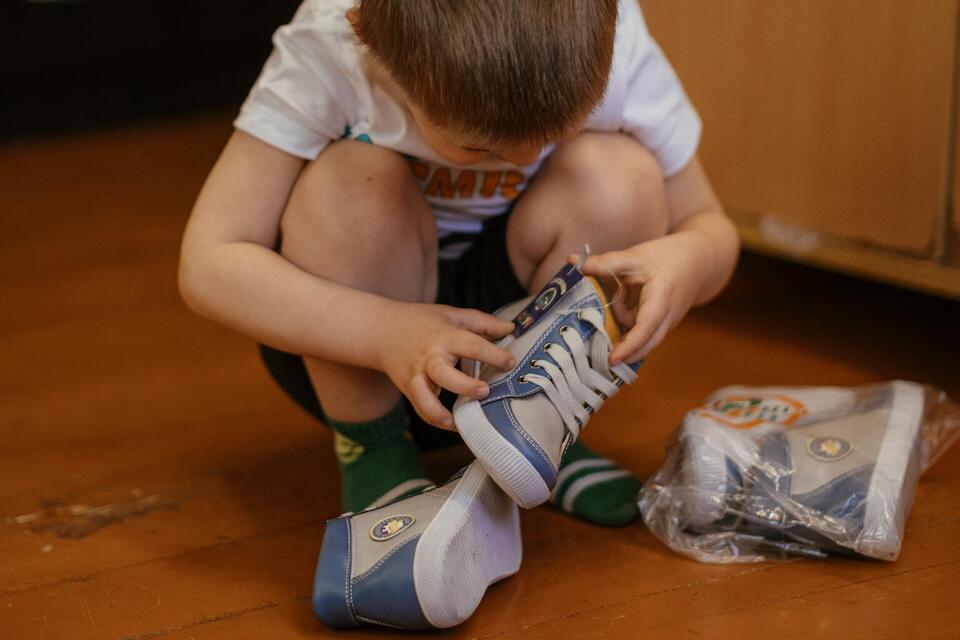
(316, 88)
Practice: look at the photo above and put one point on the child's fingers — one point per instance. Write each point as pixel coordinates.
(653, 311)
(604, 264)
(470, 345)
(653, 342)
(427, 405)
(481, 323)
(625, 316)
(449, 377)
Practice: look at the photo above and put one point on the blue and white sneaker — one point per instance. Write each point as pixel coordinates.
(562, 344)
(805, 470)
(422, 562)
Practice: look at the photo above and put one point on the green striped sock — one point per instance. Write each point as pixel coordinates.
(595, 489)
(378, 460)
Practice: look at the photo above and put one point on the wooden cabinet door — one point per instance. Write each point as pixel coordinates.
(830, 114)
(953, 233)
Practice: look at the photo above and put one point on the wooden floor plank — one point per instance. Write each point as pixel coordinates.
(155, 484)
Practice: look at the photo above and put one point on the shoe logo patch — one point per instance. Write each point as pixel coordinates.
(565, 279)
(829, 448)
(523, 321)
(390, 527)
(546, 299)
(745, 412)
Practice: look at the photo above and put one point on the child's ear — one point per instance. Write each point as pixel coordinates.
(353, 17)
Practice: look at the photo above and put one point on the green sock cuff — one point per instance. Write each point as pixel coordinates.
(377, 459)
(389, 428)
(576, 451)
(598, 491)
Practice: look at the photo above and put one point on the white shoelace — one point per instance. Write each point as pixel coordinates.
(576, 386)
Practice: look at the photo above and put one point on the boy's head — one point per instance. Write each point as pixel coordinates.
(500, 77)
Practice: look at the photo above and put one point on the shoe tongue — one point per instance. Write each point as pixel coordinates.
(550, 295)
(546, 299)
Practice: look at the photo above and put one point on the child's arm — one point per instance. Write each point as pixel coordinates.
(667, 276)
(230, 272)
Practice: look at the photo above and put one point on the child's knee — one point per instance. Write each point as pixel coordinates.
(621, 182)
(355, 214)
(354, 189)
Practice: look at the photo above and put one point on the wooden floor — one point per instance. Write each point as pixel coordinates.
(155, 484)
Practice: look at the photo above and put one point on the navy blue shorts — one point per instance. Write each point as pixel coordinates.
(481, 278)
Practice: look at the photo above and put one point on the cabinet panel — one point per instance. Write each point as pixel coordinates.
(953, 233)
(832, 114)
(956, 177)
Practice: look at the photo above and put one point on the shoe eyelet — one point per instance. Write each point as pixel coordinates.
(564, 329)
(522, 379)
(579, 315)
(537, 363)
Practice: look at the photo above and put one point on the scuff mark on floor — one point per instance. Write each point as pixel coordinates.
(227, 615)
(77, 521)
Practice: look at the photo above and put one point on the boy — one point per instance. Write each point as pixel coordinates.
(402, 169)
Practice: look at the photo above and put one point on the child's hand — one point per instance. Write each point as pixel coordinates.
(661, 280)
(420, 347)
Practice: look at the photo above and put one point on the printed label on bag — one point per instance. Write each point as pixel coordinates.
(745, 412)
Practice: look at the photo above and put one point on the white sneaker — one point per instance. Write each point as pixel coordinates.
(562, 345)
(422, 562)
(829, 467)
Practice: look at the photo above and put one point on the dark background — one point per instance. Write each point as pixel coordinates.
(66, 64)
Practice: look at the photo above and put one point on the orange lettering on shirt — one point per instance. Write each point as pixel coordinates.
(440, 180)
(510, 182)
(442, 184)
(420, 169)
(490, 181)
(465, 183)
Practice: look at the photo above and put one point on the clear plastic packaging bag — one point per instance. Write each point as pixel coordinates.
(760, 473)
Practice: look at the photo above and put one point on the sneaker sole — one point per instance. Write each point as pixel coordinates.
(473, 541)
(895, 472)
(508, 467)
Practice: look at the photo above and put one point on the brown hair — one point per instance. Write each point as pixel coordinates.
(495, 71)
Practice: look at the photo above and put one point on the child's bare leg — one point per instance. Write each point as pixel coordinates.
(356, 217)
(605, 190)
